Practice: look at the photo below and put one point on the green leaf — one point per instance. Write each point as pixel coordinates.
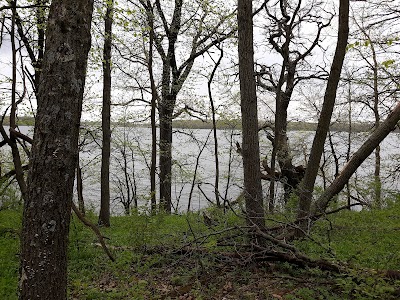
(388, 63)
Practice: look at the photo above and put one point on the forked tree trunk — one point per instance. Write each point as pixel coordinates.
(47, 209)
(104, 216)
(175, 75)
(248, 102)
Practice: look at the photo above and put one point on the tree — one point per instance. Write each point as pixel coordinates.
(306, 187)
(288, 22)
(248, 104)
(47, 209)
(104, 216)
(174, 74)
(374, 52)
(154, 98)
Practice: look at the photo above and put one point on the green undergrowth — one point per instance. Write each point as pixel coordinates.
(156, 258)
(10, 223)
(369, 239)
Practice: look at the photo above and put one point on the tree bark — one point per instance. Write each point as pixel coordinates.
(357, 159)
(154, 97)
(248, 102)
(104, 216)
(165, 158)
(47, 209)
(41, 15)
(170, 89)
(306, 188)
(79, 189)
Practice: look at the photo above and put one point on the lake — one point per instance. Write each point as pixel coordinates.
(131, 150)
(190, 146)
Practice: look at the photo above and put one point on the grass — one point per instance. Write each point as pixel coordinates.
(152, 264)
(10, 222)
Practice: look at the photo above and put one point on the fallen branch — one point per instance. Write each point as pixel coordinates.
(95, 229)
(292, 254)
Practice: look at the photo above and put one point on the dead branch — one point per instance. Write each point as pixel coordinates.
(12, 173)
(20, 135)
(191, 112)
(96, 230)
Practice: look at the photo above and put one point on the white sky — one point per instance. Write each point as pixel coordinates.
(198, 88)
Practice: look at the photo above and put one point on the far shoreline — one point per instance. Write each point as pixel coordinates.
(223, 125)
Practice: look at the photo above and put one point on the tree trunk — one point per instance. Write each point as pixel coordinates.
(40, 27)
(248, 101)
(154, 97)
(377, 187)
(307, 186)
(104, 216)
(79, 188)
(47, 209)
(214, 126)
(377, 170)
(165, 163)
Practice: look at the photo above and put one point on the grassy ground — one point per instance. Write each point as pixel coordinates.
(156, 259)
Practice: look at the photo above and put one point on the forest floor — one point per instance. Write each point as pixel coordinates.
(179, 257)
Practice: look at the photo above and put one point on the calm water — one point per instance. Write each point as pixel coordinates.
(191, 147)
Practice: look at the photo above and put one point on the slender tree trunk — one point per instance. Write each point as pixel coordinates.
(104, 216)
(248, 101)
(229, 172)
(196, 167)
(79, 188)
(375, 107)
(40, 27)
(377, 169)
(349, 135)
(154, 96)
(307, 186)
(216, 182)
(47, 209)
(19, 173)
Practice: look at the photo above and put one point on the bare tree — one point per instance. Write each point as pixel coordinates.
(286, 22)
(174, 74)
(47, 209)
(154, 98)
(104, 216)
